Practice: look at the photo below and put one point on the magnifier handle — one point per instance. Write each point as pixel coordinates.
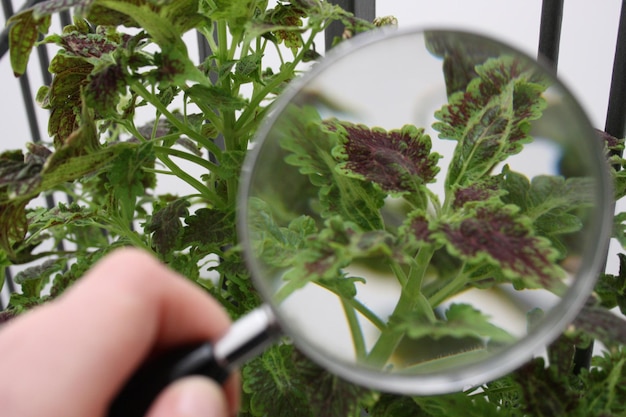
(246, 338)
(151, 378)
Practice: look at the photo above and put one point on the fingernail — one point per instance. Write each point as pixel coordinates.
(198, 397)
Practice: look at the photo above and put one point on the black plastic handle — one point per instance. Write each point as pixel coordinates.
(247, 337)
(137, 395)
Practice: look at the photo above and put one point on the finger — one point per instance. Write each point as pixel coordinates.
(91, 339)
(191, 397)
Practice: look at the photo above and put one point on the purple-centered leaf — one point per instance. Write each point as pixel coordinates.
(104, 88)
(415, 231)
(311, 148)
(24, 29)
(86, 45)
(397, 160)
(501, 237)
(478, 191)
(50, 7)
(491, 119)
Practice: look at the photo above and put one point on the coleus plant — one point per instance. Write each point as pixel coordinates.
(108, 164)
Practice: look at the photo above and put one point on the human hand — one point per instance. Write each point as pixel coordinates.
(70, 357)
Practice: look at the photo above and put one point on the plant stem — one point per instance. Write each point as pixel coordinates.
(207, 193)
(355, 330)
(449, 289)
(284, 74)
(410, 299)
(203, 162)
(139, 88)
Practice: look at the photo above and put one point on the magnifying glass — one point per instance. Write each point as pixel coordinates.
(422, 212)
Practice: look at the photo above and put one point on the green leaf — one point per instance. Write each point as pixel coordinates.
(127, 179)
(236, 12)
(396, 406)
(611, 289)
(461, 321)
(399, 161)
(33, 279)
(416, 230)
(21, 175)
(491, 119)
(78, 157)
(211, 229)
(166, 226)
(604, 384)
(248, 68)
(556, 206)
(478, 191)
(287, 19)
(277, 246)
(602, 324)
(4, 263)
(104, 88)
(50, 7)
(619, 228)
(459, 58)
(163, 29)
(546, 394)
(24, 29)
(277, 376)
(336, 246)
(297, 387)
(90, 46)
(82, 265)
(217, 97)
(63, 97)
(461, 404)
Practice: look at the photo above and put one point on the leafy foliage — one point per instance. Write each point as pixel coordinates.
(491, 228)
(299, 387)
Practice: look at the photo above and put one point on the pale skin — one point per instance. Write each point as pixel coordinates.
(69, 357)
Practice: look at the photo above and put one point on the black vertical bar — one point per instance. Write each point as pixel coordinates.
(550, 31)
(616, 112)
(204, 50)
(363, 9)
(66, 18)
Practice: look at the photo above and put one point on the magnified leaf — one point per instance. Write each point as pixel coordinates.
(323, 256)
(311, 144)
(397, 160)
(501, 237)
(491, 119)
(461, 321)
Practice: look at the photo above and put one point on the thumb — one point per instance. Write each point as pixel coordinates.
(194, 396)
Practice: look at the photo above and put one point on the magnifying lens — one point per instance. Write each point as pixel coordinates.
(423, 211)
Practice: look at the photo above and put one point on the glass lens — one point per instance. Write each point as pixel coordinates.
(424, 210)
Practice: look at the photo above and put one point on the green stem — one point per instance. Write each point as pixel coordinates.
(203, 162)
(141, 90)
(122, 229)
(291, 286)
(399, 273)
(355, 329)
(450, 289)
(411, 299)
(205, 191)
(256, 100)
